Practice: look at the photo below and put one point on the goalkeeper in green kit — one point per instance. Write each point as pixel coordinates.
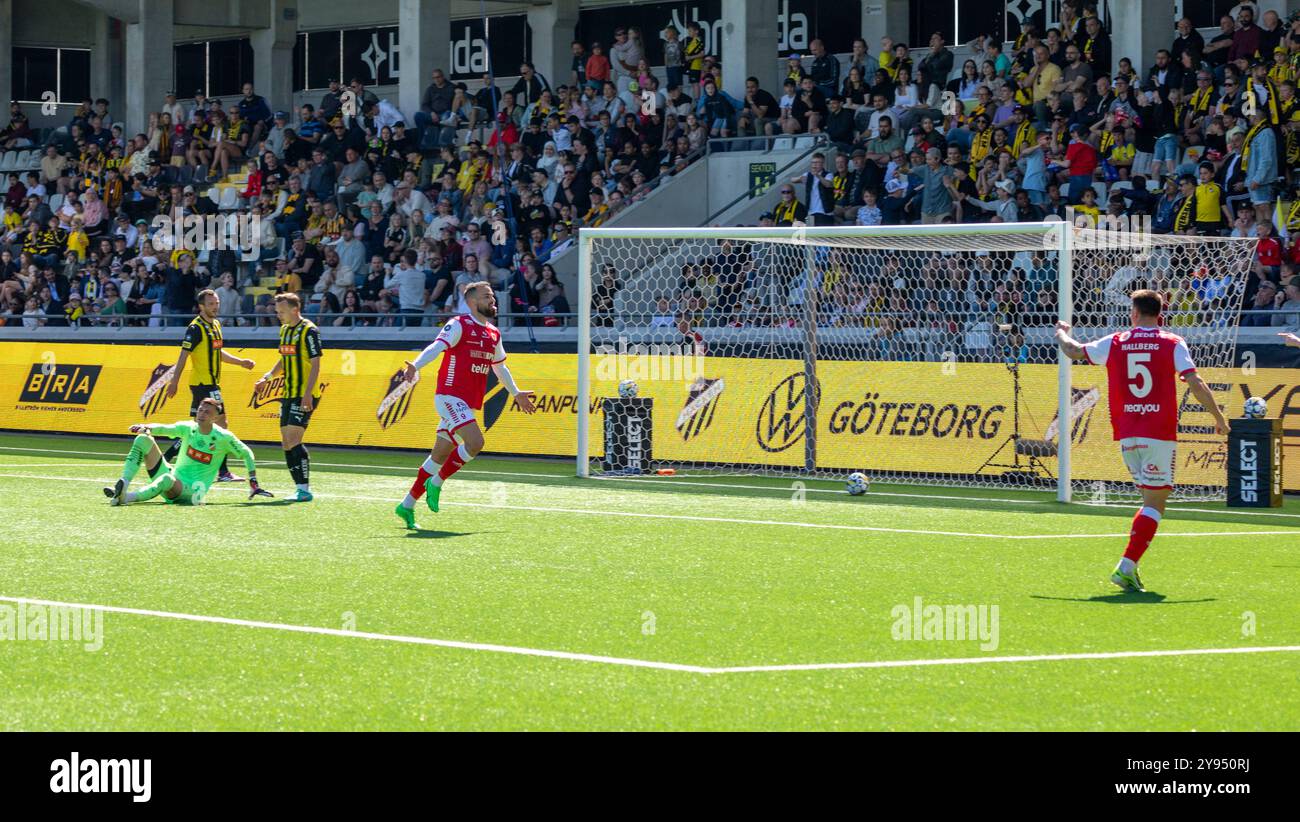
(203, 446)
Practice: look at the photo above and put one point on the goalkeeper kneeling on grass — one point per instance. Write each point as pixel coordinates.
(203, 447)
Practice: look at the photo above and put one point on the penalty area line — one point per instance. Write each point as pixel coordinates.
(628, 662)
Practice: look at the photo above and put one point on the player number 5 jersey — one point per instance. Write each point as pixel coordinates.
(472, 349)
(1143, 366)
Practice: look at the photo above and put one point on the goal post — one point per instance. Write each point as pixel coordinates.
(919, 354)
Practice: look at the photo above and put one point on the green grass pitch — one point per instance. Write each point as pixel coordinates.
(539, 601)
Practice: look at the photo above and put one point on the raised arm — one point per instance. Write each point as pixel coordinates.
(1072, 348)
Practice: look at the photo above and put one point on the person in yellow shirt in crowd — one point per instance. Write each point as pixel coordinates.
(77, 239)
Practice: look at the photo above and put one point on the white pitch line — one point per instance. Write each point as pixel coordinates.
(692, 483)
(550, 509)
(628, 662)
(985, 660)
(410, 640)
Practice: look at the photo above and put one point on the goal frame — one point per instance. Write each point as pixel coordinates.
(1054, 235)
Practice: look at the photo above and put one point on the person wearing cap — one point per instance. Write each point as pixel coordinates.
(173, 108)
(1264, 301)
(1003, 208)
(623, 57)
(275, 139)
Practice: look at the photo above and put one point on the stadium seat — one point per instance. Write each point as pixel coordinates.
(186, 175)
(215, 196)
(1099, 187)
(56, 202)
(1120, 185)
(9, 160)
(23, 161)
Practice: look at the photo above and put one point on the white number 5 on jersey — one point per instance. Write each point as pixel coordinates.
(1139, 375)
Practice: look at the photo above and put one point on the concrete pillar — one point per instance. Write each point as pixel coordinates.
(273, 55)
(885, 18)
(425, 45)
(1138, 30)
(106, 65)
(6, 54)
(749, 40)
(553, 28)
(149, 62)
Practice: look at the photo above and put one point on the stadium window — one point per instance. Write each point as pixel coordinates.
(300, 62)
(323, 58)
(217, 67)
(66, 72)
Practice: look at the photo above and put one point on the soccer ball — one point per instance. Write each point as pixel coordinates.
(627, 389)
(857, 484)
(1255, 408)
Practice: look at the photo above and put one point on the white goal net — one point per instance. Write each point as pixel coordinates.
(915, 354)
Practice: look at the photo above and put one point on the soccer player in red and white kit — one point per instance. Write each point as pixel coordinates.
(471, 344)
(1143, 365)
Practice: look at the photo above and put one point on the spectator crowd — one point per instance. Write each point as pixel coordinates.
(377, 218)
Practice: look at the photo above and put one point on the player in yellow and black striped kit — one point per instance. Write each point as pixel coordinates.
(300, 358)
(203, 348)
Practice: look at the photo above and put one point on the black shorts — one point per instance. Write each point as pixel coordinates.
(199, 393)
(291, 412)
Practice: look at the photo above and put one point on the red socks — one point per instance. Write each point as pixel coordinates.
(1145, 524)
(452, 465)
(417, 487)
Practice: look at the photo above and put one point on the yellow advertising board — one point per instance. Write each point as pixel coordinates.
(872, 416)
(103, 389)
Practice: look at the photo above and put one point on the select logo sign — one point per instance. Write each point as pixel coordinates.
(60, 384)
(1255, 463)
(1248, 465)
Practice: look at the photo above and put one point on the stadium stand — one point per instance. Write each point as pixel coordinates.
(495, 181)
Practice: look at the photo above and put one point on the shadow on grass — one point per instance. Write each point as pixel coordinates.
(1124, 598)
(428, 533)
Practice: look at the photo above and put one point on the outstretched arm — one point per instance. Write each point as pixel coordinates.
(226, 356)
(524, 399)
(1072, 348)
(1290, 339)
(428, 355)
(1206, 397)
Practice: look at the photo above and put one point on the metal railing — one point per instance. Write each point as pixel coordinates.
(267, 319)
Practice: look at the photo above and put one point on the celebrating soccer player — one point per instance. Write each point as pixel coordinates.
(1141, 365)
(472, 343)
(204, 444)
(202, 348)
(300, 353)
